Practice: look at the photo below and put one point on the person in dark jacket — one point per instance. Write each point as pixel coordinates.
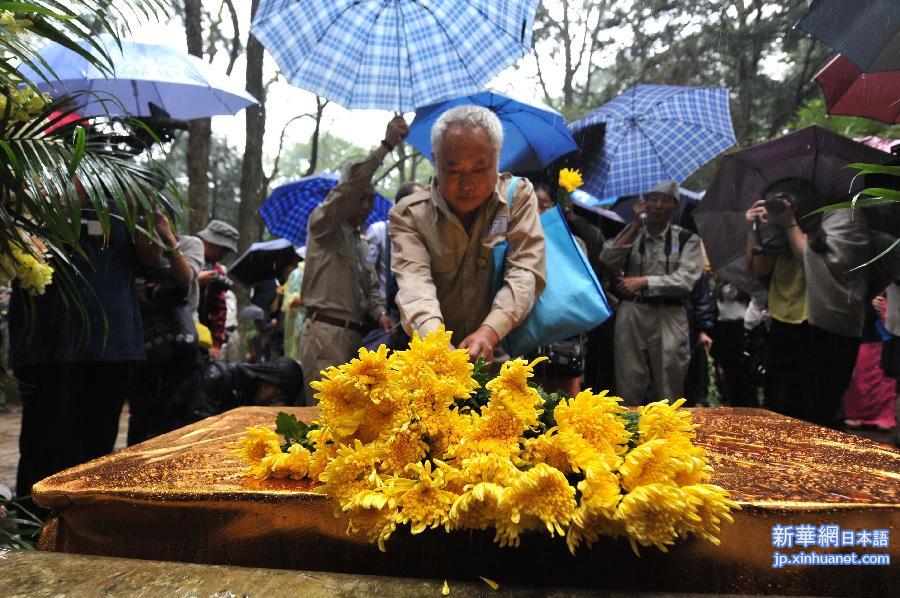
(218, 386)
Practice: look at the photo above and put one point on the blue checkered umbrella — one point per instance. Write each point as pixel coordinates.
(393, 54)
(653, 133)
(286, 211)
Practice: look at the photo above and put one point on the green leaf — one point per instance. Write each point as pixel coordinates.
(877, 257)
(80, 140)
(876, 199)
(632, 418)
(875, 168)
(294, 430)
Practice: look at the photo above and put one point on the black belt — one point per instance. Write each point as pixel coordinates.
(348, 324)
(655, 301)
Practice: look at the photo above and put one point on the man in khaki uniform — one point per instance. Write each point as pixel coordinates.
(442, 238)
(339, 285)
(658, 266)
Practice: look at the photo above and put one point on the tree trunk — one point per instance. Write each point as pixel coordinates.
(199, 130)
(249, 222)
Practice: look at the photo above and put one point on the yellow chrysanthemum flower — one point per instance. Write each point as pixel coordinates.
(293, 464)
(423, 501)
(376, 522)
(350, 472)
(370, 373)
(477, 507)
(546, 449)
(596, 419)
(490, 467)
(655, 462)
(653, 514)
(570, 179)
(711, 504)
(662, 420)
(596, 513)
(403, 447)
(432, 359)
(540, 496)
(582, 454)
(256, 443)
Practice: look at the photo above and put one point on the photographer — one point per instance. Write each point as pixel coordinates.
(658, 263)
(167, 293)
(816, 298)
(218, 238)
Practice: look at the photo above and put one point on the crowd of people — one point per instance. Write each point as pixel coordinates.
(155, 322)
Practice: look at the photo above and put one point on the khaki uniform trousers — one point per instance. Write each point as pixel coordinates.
(322, 346)
(651, 343)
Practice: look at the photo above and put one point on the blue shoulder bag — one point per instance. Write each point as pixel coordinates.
(573, 301)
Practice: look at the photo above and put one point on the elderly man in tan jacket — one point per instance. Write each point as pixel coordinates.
(442, 238)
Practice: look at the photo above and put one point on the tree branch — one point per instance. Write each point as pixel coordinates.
(268, 178)
(236, 39)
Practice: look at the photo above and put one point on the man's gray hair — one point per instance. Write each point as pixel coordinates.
(467, 115)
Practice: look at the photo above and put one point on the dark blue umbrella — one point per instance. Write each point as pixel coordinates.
(287, 209)
(533, 136)
(865, 31)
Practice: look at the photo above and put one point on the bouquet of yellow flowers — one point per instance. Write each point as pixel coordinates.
(423, 437)
(27, 262)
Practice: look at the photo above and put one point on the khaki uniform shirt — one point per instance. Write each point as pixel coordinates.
(338, 280)
(685, 264)
(445, 273)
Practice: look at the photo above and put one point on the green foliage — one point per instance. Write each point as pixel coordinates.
(36, 191)
(551, 400)
(294, 430)
(19, 527)
(632, 418)
(812, 112)
(481, 374)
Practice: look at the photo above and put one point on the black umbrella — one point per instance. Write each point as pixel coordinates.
(814, 154)
(865, 31)
(263, 261)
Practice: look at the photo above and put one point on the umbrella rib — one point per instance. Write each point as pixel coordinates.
(487, 18)
(527, 142)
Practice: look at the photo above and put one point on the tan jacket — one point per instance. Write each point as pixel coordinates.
(338, 280)
(445, 274)
(685, 264)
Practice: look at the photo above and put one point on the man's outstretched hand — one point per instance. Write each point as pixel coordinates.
(481, 343)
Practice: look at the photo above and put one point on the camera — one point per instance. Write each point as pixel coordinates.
(221, 282)
(775, 204)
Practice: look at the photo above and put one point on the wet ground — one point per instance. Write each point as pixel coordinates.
(9, 440)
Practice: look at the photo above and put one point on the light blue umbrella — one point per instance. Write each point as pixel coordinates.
(182, 85)
(393, 54)
(533, 136)
(653, 133)
(286, 211)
